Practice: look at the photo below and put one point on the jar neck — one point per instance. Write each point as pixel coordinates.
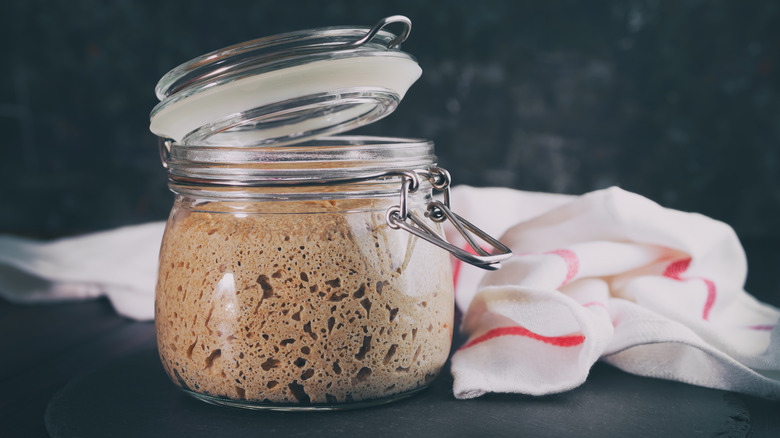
(329, 168)
(384, 188)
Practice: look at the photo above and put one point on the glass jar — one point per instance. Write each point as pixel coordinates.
(299, 272)
(302, 296)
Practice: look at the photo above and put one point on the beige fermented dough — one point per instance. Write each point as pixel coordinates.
(321, 308)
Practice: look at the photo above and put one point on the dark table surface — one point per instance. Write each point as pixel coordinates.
(73, 349)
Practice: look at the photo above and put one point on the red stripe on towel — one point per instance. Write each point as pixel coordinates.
(675, 271)
(711, 293)
(572, 263)
(558, 341)
(455, 272)
(457, 263)
(676, 268)
(766, 327)
(595, 303)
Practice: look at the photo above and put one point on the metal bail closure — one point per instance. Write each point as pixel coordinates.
(381, 24)
(438, 211)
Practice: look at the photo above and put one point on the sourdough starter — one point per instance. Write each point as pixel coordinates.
(312, 308)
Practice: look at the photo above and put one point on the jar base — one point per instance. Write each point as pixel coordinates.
(286, 407)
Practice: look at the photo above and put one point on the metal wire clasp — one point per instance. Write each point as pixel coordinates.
(381, 24)
(400, 217)
(164, 148)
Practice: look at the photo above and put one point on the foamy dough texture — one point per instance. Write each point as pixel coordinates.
(300, 308)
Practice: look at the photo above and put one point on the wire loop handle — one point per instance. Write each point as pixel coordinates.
(164, 148)
(399, 217)
(381, 24)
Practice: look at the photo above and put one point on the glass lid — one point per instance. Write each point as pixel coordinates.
(286, 88)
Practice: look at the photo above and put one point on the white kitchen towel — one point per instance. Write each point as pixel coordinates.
(120, 264)
(608, 275)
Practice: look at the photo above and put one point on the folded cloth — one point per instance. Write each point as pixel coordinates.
(608, 275)
(120, 264)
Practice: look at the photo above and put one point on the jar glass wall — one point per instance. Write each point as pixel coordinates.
(300, 304)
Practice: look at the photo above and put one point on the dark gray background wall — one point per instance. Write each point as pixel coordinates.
(675, 100)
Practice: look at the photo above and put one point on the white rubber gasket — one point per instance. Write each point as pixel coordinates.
(180, 118)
